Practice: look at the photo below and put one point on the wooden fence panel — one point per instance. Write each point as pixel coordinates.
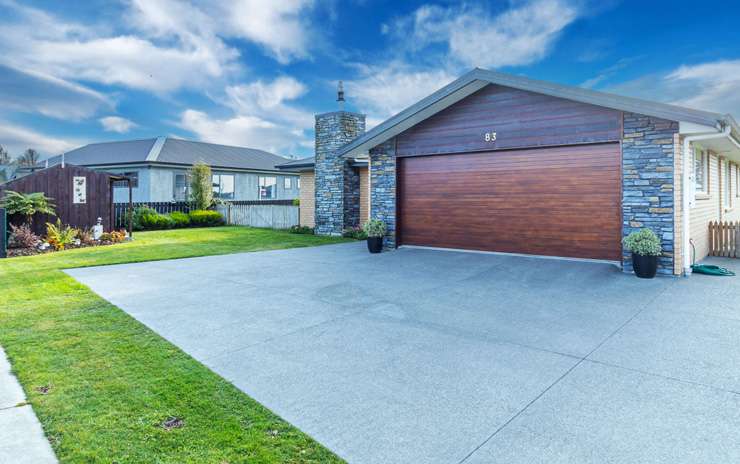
(724, 239)
(273, 216)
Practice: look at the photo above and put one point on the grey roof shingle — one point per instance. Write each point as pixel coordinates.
(187, 152)
(130, 151)
(172, 151)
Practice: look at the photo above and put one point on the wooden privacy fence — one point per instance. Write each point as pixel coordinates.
(724, 239)
(254, 214)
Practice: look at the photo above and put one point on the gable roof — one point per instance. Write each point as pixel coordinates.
(167, 150)
(479, 78)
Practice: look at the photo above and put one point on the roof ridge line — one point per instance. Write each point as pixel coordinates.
(156, 149)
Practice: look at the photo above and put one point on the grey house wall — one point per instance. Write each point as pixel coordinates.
(156, 184)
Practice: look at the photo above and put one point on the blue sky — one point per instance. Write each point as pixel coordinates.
(254, 72)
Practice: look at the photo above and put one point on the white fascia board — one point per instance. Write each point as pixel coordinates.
(686, 128)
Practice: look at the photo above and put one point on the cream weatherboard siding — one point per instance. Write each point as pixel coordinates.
(710, 207)
(307, 199)
(364, 195)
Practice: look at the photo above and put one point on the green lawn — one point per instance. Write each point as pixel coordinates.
(113, 382)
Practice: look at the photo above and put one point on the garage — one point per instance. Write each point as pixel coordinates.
(559, 201)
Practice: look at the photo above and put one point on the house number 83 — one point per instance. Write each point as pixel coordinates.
(489, 136)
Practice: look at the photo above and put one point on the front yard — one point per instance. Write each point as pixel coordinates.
(108, 389)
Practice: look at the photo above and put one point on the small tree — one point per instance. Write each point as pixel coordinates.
(201, 185)
(29, 158)
(27, 204)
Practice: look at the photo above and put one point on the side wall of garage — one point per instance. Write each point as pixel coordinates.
(527, 120)
(648, 147)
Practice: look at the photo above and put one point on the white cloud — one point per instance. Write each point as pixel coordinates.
(384, 90)
(711, 86)
(264, 117)
(161, 46)
(716, 85)
(240, 130)
(520, 35)
(116, 124)
(33, 92)
(281, 26)
(435, 45)
(17, 139)
(269, 100)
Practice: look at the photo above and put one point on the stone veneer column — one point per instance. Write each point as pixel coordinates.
(647, 183)
(334, 182)
(383, 187)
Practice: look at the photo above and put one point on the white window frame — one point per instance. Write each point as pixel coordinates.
(216, 180)
(260, 185)
(288, 183)
(705, 171)
(298, 183)
(174, 186)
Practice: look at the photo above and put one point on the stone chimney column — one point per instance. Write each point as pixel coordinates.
(337, 187)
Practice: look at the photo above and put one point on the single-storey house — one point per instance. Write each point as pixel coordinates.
(502, 163)
(158, 168)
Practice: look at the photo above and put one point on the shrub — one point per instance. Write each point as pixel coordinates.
(375, 228)
(146, 218)
(60, 236)
(22, 237)
(85, 236)
(179, 219)
(115, 236)
(356, 233)
(296, 202)
(205, 218)
(27, 204)
(301, 230)
(643, 242)
(201, 186)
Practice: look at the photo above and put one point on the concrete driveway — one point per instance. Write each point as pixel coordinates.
(444, 357)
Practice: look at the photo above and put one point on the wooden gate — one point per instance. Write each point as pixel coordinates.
(724, 239)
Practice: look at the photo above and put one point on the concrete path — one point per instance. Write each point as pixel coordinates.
(22, 439)
(447, 357)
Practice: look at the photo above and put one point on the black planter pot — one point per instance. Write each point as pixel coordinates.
(645, 266)
(374, 244)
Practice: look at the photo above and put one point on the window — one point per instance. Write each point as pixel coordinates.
(298, 183)
(288, 183)
(181, 188)
(737, 180)
(223, 186)
(133, 175)
(267, 188)
(700, 171)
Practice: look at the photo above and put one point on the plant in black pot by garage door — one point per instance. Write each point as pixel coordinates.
(375, 230)
(645, 248)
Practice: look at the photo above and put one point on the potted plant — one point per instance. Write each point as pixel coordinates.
(645, 248)
(375, 230)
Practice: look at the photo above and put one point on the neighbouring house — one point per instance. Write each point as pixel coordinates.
(503, 163)
(158, 168)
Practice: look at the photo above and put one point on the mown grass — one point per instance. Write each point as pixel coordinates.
(113, 382)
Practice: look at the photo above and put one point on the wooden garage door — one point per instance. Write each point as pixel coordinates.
(562, 201)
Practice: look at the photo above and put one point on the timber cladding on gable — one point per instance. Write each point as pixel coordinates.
(520, 119)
